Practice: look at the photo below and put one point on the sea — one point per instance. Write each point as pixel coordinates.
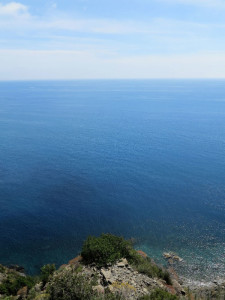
(144, 159)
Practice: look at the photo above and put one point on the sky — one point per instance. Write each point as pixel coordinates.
(92, 39)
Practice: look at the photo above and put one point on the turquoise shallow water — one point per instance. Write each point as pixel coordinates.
(144, 159)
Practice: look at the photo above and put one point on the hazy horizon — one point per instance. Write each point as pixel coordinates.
(113, 79)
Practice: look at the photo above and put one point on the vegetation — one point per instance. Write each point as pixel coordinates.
(13, 282)
(46, 272)
(159, 295)
(2, 269)
(109, 248)
(106, 249)
(70, 284)
(145, 266)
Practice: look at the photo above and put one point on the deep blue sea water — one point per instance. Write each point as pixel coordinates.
(143, 159)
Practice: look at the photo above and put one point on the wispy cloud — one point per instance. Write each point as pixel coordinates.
(23, 20)
(202, 3)
(99, 26)
(157, 35)
(56, 44)
(13, 9)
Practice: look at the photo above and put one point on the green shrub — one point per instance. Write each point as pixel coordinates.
(145, 266)
(72, 285)
(2, 269)
(14, 282)
(109, 248)
(105, 249)
(46, 272)
(68, 285)
(159, 295)
(110, 296)
(166, 276)
(8, 298)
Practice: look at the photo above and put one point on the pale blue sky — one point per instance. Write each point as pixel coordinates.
(41, 39)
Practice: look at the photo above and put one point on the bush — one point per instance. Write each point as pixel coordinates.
(14, 282)
(145, 266)
(105, 249)
(166, 276)
(69, 284)
(2, 269)
(159, 295)
(109, 248)
(46, 272)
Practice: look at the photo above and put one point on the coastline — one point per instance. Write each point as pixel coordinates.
(181, 286)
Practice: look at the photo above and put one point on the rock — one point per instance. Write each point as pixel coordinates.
(176, 257)
(119, 278)
(22, 292)
(142, 253)
(145, 291)
(170, 289)
(111, 288)
(167, 255)
(171, 256)
(75, 260)
(17, 268)
(183, 293)
(38, 287)
(2, 276)
(173, 273)
(62, 267)
(123, 263)
(107, 275)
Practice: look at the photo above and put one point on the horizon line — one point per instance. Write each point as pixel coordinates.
(108, 79)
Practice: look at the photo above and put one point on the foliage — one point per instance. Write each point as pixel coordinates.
(14, 282)
(2, 269)
(72, 285)
(153, 271)
(37, 294)
(42, 297)
(46, 272)
(68, 285)
(105, 249)
(110, 296)
(108, 248)
(159, 295)
(147, 267)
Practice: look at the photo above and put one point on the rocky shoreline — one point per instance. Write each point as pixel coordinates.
(119, 278)
(123, 278)
(214, 289)
(135, 277)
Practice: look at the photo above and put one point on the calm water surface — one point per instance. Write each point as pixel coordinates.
(145, 159)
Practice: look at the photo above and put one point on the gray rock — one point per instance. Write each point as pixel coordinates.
(123, 263)
(122, 278)
(107, 275)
